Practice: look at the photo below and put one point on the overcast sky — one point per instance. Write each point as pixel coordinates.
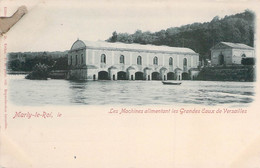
(55, 25)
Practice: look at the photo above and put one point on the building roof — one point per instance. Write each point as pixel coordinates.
(130, 47)
(232, 45)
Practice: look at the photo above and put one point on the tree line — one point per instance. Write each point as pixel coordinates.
(28, 60)
(200, 37)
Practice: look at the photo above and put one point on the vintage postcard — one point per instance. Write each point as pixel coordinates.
(135, 84)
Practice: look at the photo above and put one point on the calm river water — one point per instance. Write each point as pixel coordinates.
(64, 92)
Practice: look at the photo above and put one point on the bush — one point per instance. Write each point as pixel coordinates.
(248, 61)
(40, 72)
(15, 65)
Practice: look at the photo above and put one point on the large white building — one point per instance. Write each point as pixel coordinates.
(226, 53)
(119, 61)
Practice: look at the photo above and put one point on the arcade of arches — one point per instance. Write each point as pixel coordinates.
(112, 61)
(121, 75)
(134, 72)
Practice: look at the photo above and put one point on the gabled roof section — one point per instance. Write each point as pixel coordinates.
(129, 47)
(231, 45)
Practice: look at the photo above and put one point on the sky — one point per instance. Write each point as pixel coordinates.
(55, 25)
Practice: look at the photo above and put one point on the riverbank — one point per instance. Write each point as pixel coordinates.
(18, 72)
(234, 73)
(228, 73)
(57, 74)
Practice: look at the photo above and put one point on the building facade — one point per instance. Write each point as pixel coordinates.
(225, 53)
(119, 61)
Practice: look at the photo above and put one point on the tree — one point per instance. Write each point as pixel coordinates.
(215, 19)
(248, 61)
(200, 37)
(114, 37)
(40, 72)
(15, 65)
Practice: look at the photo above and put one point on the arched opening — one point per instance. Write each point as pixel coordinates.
(170, 61)
(139, 60)
(139, 76)
(164, 77)
(243, 56)
(185, 76)
(170, 76)
(103, 75)
(122, 59)
(114, 77)
(221, 59)
(132, 77)
(179, 77)
(121, 75)
(94, 77)
(155, 76)
(76, 62)
(155, 61)
(149, 77)
(71, 60)
(103, 58)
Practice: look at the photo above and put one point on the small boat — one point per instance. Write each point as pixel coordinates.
(171, 83)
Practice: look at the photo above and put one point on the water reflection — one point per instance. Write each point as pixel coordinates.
(63, 92)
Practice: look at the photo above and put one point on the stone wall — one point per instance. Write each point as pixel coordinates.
(58, 74)
(78, 74)
(229, 73)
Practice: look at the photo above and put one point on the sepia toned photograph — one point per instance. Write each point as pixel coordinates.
(129, 84)
(104, 56)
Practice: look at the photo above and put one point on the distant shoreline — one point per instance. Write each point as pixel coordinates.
(18, 72)
(27, 72)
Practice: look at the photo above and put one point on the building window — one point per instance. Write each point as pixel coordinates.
(139, 60)
(82, 60)
(103, 58)
(170, 61)
(155, 61)
(122, 59)
(185, 62)
(76, 60)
